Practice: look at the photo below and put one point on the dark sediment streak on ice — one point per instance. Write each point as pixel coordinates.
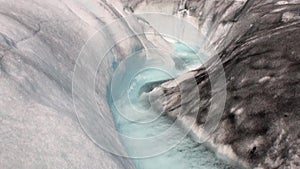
(258, 44)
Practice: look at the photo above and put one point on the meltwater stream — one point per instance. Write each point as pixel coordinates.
(134, 119)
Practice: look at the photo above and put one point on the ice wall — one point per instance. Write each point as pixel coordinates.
(40, 42)
(54, 77)
(257, 43)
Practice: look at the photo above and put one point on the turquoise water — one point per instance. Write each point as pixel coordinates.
(135, 120)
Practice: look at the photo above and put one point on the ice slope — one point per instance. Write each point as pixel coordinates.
(49, 51)
(257, 43)
(40, 42)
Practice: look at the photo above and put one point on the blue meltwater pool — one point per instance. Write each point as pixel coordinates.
(134, 120)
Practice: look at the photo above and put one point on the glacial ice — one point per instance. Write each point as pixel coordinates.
(134, 121)
(39, 48)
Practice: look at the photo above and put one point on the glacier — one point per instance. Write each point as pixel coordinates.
(82, 79)
(49, 52)
(257, 43)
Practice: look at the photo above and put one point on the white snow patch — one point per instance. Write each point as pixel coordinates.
(239, 111)
(233, 109)
(288, 16)
(264, 79)
(282, 3)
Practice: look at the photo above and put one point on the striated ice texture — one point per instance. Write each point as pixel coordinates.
(134, 117)
(68, 67)
(49, 52)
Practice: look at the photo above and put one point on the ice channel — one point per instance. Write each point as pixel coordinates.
(134, 119)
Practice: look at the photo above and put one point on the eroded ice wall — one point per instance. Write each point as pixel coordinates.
(258, 44)
(39, 44)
